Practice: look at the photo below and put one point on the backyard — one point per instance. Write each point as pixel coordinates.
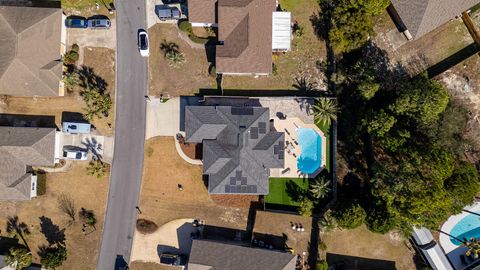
(48, 224)
(363, 250)
(282, 191)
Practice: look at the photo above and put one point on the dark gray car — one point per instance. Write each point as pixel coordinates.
(168, 13)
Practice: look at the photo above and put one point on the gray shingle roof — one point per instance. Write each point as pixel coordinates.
(245, 27)
(238, 147)
(422, 16)
(30, 51)
(219, 256)
(21, 147)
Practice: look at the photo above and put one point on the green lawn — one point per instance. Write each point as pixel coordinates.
(326, 130)
(281, 190)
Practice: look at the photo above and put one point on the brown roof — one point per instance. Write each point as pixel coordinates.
(30, 51)
(422, 16)
(245, 27)
(201, 11)
(21, 147)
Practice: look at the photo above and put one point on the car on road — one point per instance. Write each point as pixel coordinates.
(168, 13)
(99, 23)
(176, 260)
(76, 22)
(143, 43)
(75, 152)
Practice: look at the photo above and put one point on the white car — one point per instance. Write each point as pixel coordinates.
(75, 153)
(143, 43)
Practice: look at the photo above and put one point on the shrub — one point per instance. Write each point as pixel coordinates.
(75, 48)
(41, 184)
(322, 265)
(198, 40)
(146, 226)
(350, 215)
(149, 151)
(185, 26)
(322, 246)
(53, 257)
(306, 207)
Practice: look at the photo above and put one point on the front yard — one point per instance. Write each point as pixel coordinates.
(48, 224)
(176, 81)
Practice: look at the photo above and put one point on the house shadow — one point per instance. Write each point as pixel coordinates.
(120, 263)
(75, 117)
(21, 120)
(358, 263)
(184, 235)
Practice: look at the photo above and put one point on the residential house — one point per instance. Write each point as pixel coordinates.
(21, 148)
(214, 255)
(30, 47)
(239, 147)
(248, 32)
(418, 17)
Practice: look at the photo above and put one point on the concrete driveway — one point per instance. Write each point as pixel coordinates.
(163, 119)
(174, 237)
(92, 38)
(96, 144)
(152, 17)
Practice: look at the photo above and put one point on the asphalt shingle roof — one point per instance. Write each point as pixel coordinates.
(21, 147)
(422, 16)
(30, 51)
(237, 156)
(219, 256)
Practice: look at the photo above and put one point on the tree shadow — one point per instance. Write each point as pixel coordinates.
(17, 229)
(294, 191)
(92, 145)
(89, 79)
(52, 232)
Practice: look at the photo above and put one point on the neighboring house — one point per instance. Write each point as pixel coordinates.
(206, 255)
(30, 60)
(21, 148)
(418, 17)
(248, 32)
(239, 147)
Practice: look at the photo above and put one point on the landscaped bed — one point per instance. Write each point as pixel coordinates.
(283, 191)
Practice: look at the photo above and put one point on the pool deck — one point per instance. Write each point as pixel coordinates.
(447, 227)
(290, 126)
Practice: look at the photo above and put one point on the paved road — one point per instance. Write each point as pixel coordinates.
(129, 137)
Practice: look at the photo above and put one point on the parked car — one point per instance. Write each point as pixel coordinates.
(143, 43)
(77, 22)
(168, 13)
(176, 260)
(74, 152)
(99, 23)
(169, 2)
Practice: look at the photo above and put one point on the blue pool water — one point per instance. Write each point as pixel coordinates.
(467, 227)
(311, 143)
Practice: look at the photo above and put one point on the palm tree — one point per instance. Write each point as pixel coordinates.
(320, 188)
(473, 247)
(17, 229)
(175, 58)
(325, 111)
(303, 84)
(96, 168)
(18, 258)
(168, 47)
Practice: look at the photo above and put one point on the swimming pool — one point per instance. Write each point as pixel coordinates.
(311, 143)
(466, 228)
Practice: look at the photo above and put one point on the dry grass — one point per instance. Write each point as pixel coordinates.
(102, 62)
(187, 79)
(150, 266)
(362, 243)
(86, 191)
(300, 62)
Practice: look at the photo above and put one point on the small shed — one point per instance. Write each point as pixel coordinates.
(76, 128)
(281, 31)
